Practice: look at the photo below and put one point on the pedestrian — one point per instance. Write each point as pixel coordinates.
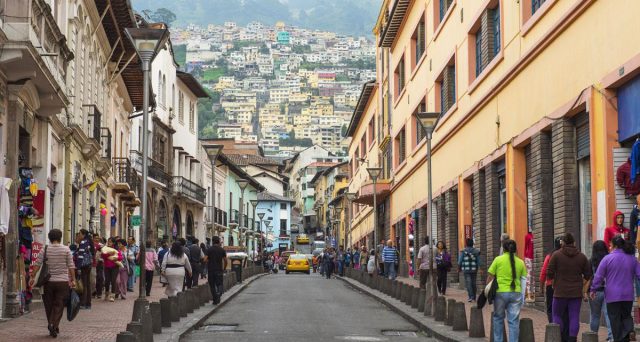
(469, 264)
(340, 256)
(507, 270)
(175, 265)
(356, 258)
(150, 265)
(547, 289)
(98, 265)
(569, 270)
(617, 228)
(124, 273)
(364, 258)
(62, 276)
(528, 262)
(112, 259)
(617, 272)
(84, 263)
(204, 268)
(390, 259)
(424, 262)
(597, 303)
(132, 251)
(347, 258)
(329, 265)
(503, 238)
(443, 266)
(371, 264)
(379, 248)
(216, 259)
(195, 257)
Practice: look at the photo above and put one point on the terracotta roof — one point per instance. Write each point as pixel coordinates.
(247, 159)
(363, 100)
(394, 22)
(192, 84)
(223, 159)
(270, 197)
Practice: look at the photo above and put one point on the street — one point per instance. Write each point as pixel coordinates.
(299, 307)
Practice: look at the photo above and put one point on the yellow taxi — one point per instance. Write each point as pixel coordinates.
(297, 263)
(302, 239)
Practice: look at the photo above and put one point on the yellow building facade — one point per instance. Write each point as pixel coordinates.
(538, 106)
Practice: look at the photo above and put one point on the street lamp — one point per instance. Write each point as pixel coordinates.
(254, 204)
(147, 43)
(242, 184)
(350, 196)
(260, 246)
(374, 173)
(213, 151)
(429, 121)
(337, 212)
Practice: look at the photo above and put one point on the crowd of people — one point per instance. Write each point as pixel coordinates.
(99, 268)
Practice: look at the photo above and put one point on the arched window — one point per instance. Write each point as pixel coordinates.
(164, 90)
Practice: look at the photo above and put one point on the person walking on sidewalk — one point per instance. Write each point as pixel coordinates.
(424, 258)
(203, 265)
(547, 289)
(340, 260)
(62, 276)
(390, 258)
(195, 258)
(507, 270)
(124, 273)
(112, 259)
(150, 265)
(174, 267)
(570, 271)
(443, 266)
(617, 272)
(617, 228)
(371, 264)
(597, 303)
(84, 262)
(356, 258)
(216, 260)
(469, 264)
(528, 262)
(379, 248)
(364, 258)
(329, 259)
(132, 251)
(98, 264)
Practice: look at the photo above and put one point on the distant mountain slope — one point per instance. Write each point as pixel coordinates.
(355, 17)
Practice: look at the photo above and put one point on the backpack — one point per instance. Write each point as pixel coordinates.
(469, 261)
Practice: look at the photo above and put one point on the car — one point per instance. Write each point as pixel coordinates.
(302, 239)
(298, 263)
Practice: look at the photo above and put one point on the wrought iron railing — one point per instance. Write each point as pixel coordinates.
(233, 216)
(123, 172)
(105, 142)
(156, 169)
(183, 186)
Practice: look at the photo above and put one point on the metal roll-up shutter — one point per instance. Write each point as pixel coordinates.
(582, 135)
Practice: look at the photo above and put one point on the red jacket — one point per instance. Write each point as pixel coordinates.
(623, 178)
(615, 229)
(528, 246)
(543, 271)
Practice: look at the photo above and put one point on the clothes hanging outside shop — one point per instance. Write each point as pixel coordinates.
(623, 178)
(635, 161)
(633, 221)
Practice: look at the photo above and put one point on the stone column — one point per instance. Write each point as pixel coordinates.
(565, 179)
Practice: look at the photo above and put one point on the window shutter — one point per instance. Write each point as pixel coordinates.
(402, 146)
(582, 135)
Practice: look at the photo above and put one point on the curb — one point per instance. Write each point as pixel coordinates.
(194, 323)
(428, 325)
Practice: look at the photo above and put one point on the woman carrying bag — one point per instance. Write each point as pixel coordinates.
(175, 265)
(62, 277)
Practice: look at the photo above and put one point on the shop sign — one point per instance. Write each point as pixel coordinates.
(135, 220)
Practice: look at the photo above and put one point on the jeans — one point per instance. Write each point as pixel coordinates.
(506, 304)
(328, 269)
(148, 281)
(549, 302)
(424, 277)
(570, 306)
(215, 286)
(111, 279)
(192, 280)
(470, 284)
(621, 320)
(132, 278)
(341, 267)
(85, 278)
(390, 270)
(442, 280)
(598, 307)
(99, 279)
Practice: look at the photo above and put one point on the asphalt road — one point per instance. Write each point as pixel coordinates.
(300, 307)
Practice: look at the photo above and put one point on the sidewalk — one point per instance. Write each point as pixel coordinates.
(538, 317)
(102, 323)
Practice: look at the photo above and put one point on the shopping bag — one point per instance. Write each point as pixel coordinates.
(73, 305)
(137, 271)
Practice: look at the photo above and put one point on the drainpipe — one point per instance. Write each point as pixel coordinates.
(68, 166)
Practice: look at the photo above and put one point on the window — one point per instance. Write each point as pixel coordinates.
(304, 186)
(181, 107)
(371, 132)
(502, 198)
(418, 42)
(535, 5)
(399, 76)
(487, 38)
(283, 227)
(357, 157)
(419, 130)
(192, 117)
(283, 206)
(442, 7)
(447, 87)
(401, 146)
(363, 145)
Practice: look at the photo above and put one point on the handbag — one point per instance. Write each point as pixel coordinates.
(73, 305)
(42, 277)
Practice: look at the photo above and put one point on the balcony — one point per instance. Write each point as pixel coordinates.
(217, 217)
(156, 169)
(127, 182)
(189, 190)
(233, 216)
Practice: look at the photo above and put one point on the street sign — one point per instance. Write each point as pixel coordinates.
(135, 220)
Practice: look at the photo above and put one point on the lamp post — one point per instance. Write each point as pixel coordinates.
(213, 151)
(242, 184)
(260, 246)
(147, 43)
(254, 204)
(429, 121)
(350, 196)
(337, 213)
(374, 173)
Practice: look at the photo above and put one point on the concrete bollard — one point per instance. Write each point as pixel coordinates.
(459, 321)
(174, 309)
(476, 323)
(421, 298)
(387, 286)
(526, 331)
(156, 317)
(552, 333)
(450, 305)
(188, 295)
(398, 294)
(406, 294)
(126, 336)
(182, 305)
(504, 332)
(136, 329)
(440, 309)
(165, 309)
(394, 286)
(428, 302)
(415, 293)
(588, 336)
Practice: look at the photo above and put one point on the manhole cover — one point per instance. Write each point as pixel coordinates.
(402, 333)
(361, 338)
(221, 328)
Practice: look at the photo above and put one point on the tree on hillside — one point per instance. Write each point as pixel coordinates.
(164, 15)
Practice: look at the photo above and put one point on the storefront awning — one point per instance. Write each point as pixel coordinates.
(365, 194)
